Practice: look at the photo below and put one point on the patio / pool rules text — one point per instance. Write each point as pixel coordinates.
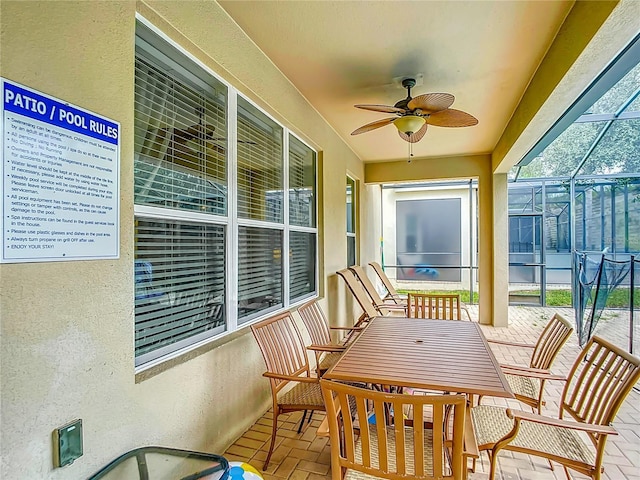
(60, 179)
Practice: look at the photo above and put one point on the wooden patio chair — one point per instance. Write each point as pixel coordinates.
(370, 288)
(326, 351)
(599, 381)
(435, 306)
(391, 446)
(527, 383)
(286, 358)
(392, 293)
(355, 287)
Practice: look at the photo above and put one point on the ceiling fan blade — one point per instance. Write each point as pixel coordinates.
(381, 108)
(431, 102)
(452, 118)
(373, 125)
(414, 137)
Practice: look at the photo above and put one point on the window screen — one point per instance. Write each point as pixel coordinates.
(428, 239)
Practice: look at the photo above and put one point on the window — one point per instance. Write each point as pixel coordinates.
(211, 219)
(429, 239)
(351, 222)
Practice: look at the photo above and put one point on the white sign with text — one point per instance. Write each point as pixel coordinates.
(60, 179)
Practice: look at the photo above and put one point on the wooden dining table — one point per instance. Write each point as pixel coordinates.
(442, 355)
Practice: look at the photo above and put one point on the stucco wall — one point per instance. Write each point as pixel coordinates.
(67, 327)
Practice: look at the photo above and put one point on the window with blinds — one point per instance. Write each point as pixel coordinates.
(185, 239)
(260, 162)
(179, 284)
(302, 184)
(180, 146)
(302, 264)
(259, 271)
(351, 222)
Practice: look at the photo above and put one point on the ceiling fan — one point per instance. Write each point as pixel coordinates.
(413, 115)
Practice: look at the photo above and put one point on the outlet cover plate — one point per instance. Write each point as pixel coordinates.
(67, 443)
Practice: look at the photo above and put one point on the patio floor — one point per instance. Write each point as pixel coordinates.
(305, 456)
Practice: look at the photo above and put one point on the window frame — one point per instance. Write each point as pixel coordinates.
(353, 182)
(157, 40)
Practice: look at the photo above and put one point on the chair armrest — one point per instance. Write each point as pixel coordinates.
(326, 348)
(323, 428)
(395, 296)
(531, 372)
(520, 415)
(392, 306)
(291, 378)
(354, 329)
(513, 344)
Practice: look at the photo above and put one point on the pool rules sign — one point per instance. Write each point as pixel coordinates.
(60, 179)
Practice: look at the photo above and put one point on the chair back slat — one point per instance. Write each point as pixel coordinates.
(367, 284)
(380, 412)
(434, 306)
(315, 322)
(400, 437)
(358, 292)
(599, 381)
(387, 435)
(550, 342)
(282, 347)
(438, 419)
(393, 293)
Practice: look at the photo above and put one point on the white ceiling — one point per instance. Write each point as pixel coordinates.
(341, 53)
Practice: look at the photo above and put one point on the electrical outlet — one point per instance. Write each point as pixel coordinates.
(67, 443)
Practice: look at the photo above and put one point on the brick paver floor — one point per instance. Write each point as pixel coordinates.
(306, 456)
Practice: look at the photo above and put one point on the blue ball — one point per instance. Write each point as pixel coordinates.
(243, 471)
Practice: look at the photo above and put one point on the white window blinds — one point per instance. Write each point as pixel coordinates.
(259, 270)
(302, 184)
(179, 282)
(191, 256)
(260, 162)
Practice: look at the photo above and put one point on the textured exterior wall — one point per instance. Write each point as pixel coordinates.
(67, 327)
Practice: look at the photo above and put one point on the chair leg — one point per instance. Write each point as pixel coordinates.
(304, 414)
(273, 438)
(493, 462)
(566, 472)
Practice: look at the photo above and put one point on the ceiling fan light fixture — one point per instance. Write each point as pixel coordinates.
(409, 124)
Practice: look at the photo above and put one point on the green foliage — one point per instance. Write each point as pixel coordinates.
(619, 298)
(615, 152)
